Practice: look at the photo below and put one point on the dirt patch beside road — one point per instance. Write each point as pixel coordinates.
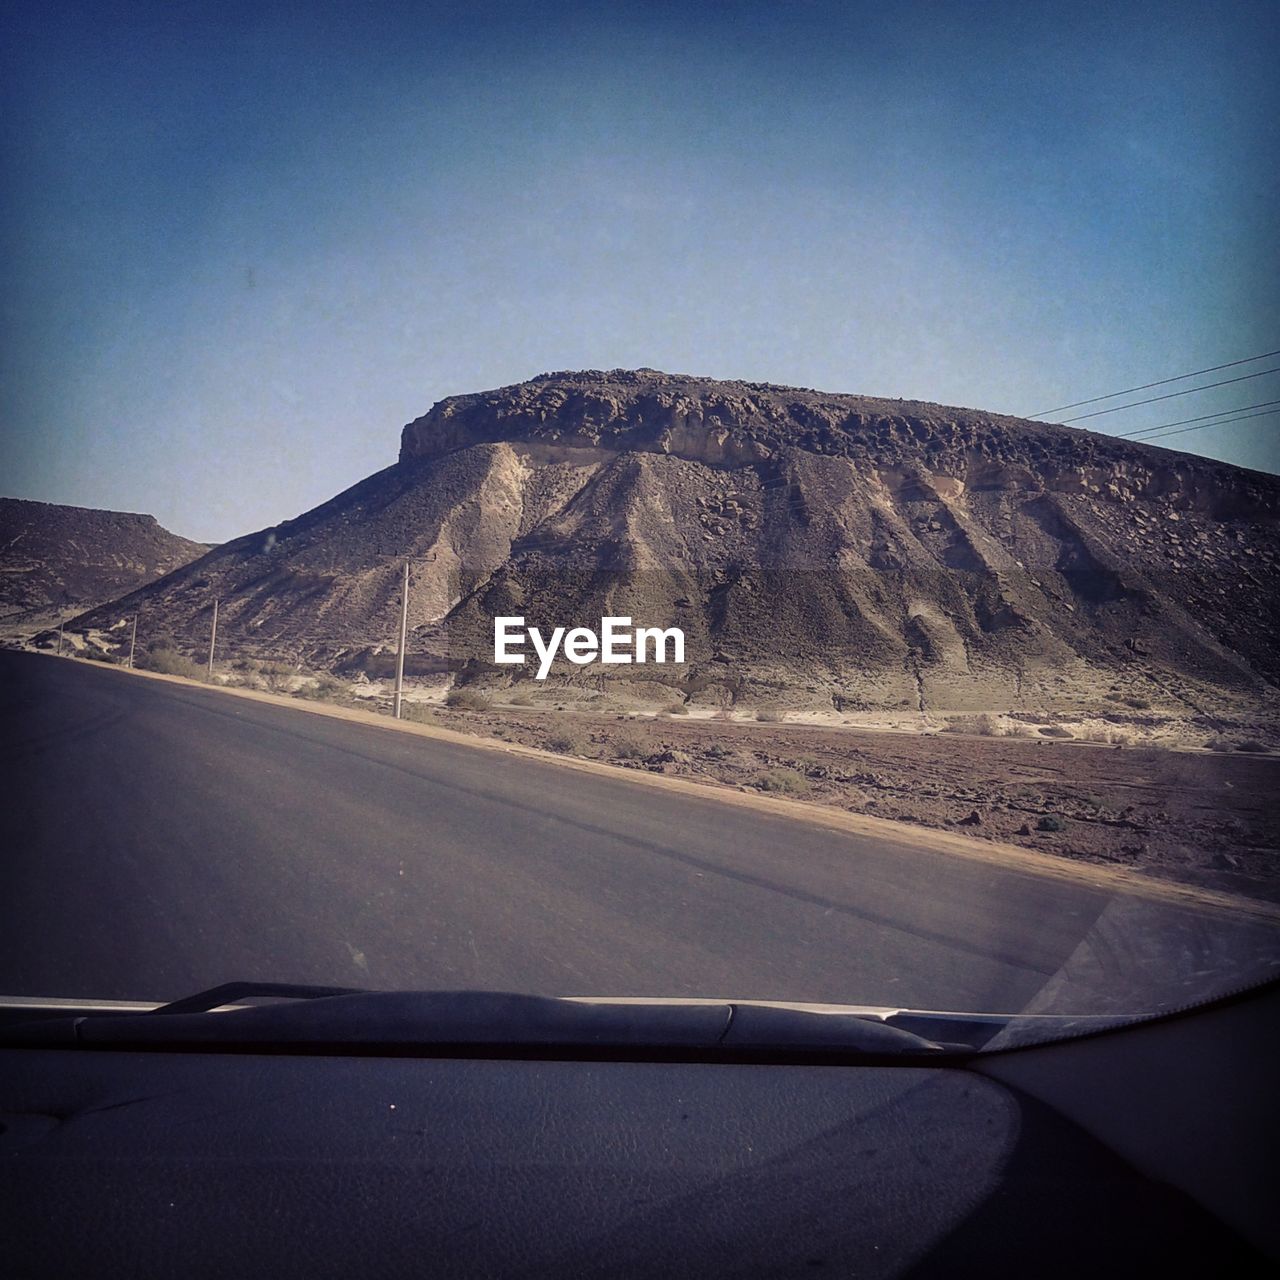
(1196, 817)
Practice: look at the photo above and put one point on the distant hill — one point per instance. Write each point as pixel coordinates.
(57, 560)
(826, 550)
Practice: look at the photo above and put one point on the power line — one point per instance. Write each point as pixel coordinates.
(1222, 413)
(1171, 395)
(1231, 364)
(1266, 413)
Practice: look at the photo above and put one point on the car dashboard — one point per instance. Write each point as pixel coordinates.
(1115, 1153)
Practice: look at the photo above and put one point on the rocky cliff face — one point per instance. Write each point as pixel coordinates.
(56, 559)
(819, 549)
(741, 424)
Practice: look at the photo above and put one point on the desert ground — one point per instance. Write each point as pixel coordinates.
(1201, 817)
(1172, 802)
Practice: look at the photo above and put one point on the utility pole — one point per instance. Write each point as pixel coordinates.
(213, 636)
(133, 640)
(404, 621)
(404, 634)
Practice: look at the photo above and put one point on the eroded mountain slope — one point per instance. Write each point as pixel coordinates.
(818, 549)
(55, 560)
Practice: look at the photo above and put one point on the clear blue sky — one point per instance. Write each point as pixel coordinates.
(243, 243)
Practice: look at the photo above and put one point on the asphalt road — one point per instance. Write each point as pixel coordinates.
(156, 839)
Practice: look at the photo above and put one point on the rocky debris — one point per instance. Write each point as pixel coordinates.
(57, 560)
(817, 550)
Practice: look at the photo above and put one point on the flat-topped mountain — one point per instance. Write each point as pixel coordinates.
(57, 559)
(815, 548)
(740, 423)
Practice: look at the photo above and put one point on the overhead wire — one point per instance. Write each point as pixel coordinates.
(1160, 382)
(1177, 431)
(1261, 404)
(1171, 395)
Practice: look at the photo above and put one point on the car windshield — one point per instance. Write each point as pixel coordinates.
(731, 503)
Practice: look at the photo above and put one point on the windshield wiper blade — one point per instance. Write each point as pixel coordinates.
(233, 992)
(497, 1022)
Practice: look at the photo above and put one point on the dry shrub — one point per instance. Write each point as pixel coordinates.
(417, 713)
(467, 700)
(323, 688)
(1109, 735)
(783, 781)
(985, 725)
(278, 676)
(629, 747)
(170, 662)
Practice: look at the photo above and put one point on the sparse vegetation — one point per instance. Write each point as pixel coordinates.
(1248, 745)
(769, 713)
(277, 676)
(1110, 736)
(467, 700)
(1050, 823)
(676, 709)
(1138, 704)
(784, 781)
(567, 744)
(521, 699)
(169, 662)
(418, 713)
(98, 655)
(985, 725)
(323, 688)
(629, 747)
